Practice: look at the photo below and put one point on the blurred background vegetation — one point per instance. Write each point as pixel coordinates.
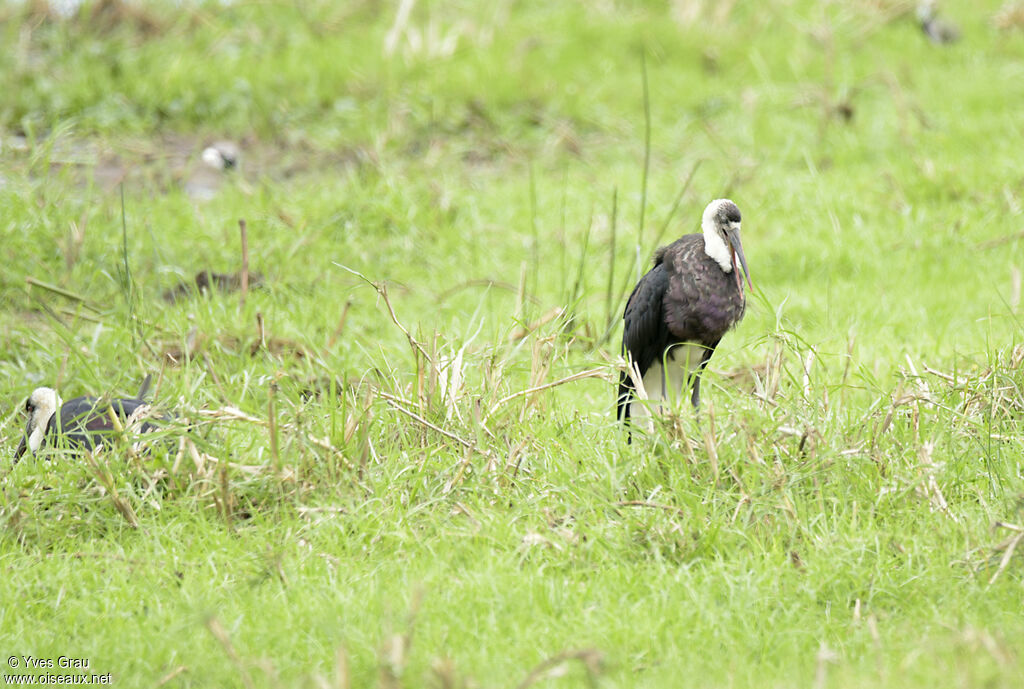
(843, 515)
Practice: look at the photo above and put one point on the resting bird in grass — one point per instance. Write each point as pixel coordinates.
(679, 311)
(82, 423)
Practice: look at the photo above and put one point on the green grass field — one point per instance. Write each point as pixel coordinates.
(414, 478)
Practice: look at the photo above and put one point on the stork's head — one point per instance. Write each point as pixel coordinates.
(721, 227)
(40, 406)
(221, 155)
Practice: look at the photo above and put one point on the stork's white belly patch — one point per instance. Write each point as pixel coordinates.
(668, 384)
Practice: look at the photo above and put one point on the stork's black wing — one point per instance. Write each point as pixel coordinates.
(644, 334)
(85, 421)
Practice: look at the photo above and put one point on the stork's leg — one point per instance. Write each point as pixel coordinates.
(695, 399)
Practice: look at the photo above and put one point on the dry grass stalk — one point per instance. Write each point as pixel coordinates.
(272, 425)
(221, 635)
(461, 471)
(398, 27)
(931, 488)
(212, 370)
(261, 333)
(115, 420)
(342, 676)
(336, 335)
(922, 384)
(592, 373)
(198, 458)
(773, 374)
(245, 263)
(540, 364)
(710, 442)
(445, 674)
(67, 294)
(636, 380)
(234, 414)
(394, 402)
(395, 649)
(1010, 15)
(825, 656)
(179, 456)
(1015, 286)
(109, 15)
(515, 457)
(225, 495)
(211, 464)
(171, 675)
(1008, 548)
(590, 658)
(382, 290)
(692, 12)
(523, 331)
(945, 376)
(744, 499)
(652, 505)
(452, 383)
(808, 363)
(999, 241)
(108, 556)
(76, 238)
(106, 480)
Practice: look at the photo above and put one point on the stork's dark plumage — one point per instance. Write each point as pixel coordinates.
(680, 310)
(82, 423)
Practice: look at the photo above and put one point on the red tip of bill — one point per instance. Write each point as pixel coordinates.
(736, 272)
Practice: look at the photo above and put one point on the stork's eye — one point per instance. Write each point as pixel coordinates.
(29, 407)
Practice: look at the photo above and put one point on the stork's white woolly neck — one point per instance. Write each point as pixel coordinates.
(714, 244)
(47, 402)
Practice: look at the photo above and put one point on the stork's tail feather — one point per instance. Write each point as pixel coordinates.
(144, 388)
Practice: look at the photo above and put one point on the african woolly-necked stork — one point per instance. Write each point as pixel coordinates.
(82, 423)
(679, 311)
